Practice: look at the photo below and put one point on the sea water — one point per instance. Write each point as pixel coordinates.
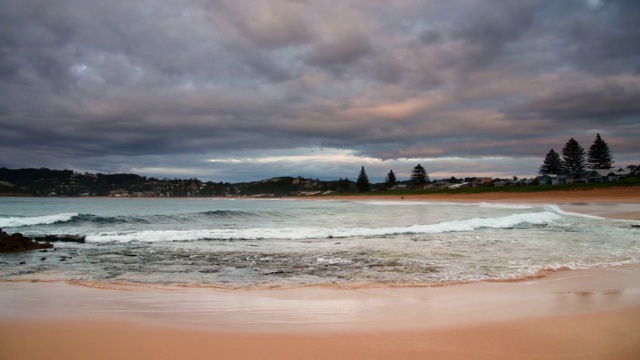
(248, 243)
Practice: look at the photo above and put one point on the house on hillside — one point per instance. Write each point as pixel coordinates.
(606, 175)
(482, 181)
(440, 184)
(587, 176)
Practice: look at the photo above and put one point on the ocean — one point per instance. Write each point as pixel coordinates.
(260, 243)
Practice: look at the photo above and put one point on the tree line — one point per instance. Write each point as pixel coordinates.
(419, 177)
(574, 159)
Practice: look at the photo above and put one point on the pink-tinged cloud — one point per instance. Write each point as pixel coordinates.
(165, 86)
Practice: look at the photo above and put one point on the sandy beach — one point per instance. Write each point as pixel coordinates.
(617, 202)
(566, 314)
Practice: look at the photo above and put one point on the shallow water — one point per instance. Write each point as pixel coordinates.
(275, 243)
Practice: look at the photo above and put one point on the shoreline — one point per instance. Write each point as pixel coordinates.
(563, 314)
(576, 200)
(601, 336)
(575, 314)
(614, 203)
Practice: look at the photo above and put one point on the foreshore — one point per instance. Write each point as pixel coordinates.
(616, 202)
(566, 314)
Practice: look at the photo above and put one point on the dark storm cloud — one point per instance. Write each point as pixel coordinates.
(490, 27)
(606, 104)
(169, 86)
(604, 39)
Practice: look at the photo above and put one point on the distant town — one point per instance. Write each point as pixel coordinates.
(45, 182)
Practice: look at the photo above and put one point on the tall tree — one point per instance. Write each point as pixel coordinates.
(362, 184)
(419, 175)
(552, 164)
(573, 156)
(391, 180)
(599, 156)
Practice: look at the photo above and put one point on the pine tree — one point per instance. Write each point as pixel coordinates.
(362, 184)
(391, 180)
(552, 164)
(599, 156)
(419, 175)
(573, 156)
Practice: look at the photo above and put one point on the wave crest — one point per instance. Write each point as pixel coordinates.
(292, 233)
(36, 220)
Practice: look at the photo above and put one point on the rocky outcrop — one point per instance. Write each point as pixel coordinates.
(18, 242)
(61, 238)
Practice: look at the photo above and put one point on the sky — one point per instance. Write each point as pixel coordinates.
(244, 90)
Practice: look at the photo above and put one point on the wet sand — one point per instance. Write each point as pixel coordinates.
(570, 314)
(611, 335)
(616, 202)
(587, 314)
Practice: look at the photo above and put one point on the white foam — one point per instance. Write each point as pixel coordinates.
(505, 206)
(332, 261)
(444, 203)
(462, 225)
(218, 234)
(35, 220)
(558, 210)
(320, 233)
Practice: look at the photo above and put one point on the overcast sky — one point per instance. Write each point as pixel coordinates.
(235, 90)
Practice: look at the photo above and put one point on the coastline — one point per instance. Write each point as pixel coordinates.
(566, 314)
(614, 203)
(581, 314)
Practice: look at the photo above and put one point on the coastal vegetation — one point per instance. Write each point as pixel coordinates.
(575, 169)
(629, 182)
(363, 184)
(575, 160)
(46, 182)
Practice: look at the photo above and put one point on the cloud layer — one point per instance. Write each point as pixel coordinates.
(244, 90)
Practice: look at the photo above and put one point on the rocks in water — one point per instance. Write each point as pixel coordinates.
(62, 238)
(18, 243)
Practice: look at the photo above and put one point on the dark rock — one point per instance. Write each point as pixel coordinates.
(18, 243)
(277, 272)
(62, 238)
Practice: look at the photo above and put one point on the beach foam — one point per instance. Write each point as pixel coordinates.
(13, 221)
(532, 218)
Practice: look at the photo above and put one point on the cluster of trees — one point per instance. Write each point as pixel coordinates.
(46, 182)
(574, 159)
(419, 177)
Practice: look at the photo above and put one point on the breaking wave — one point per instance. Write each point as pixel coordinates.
(286, 233)
(36, 220)
(445, 203)
(75, 218)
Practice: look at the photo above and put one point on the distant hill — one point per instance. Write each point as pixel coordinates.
(47, 182)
